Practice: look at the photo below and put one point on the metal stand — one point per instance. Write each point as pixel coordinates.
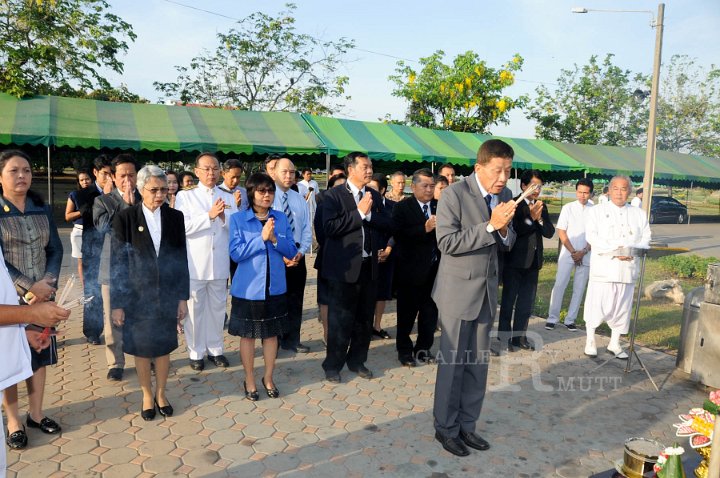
(631, 350)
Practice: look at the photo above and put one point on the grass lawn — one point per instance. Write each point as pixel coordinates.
(659, 321)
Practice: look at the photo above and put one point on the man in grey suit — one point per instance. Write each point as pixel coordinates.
(473, 218)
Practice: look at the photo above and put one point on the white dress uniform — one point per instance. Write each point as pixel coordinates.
(612, 281)
(572, 221)
(209, 264)
(16, 352)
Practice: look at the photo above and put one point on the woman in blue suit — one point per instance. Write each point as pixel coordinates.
(259, 240)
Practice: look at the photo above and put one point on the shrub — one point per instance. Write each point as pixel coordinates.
(687, 266)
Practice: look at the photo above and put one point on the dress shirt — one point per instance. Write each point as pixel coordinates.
(301, 217)
(154, 222)
(572, 221)
(423, 204)
(494, 201)
(13, 343)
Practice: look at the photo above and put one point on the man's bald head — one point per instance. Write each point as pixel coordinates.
(284, 173)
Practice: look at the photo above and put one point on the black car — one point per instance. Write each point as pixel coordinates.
(666, 209)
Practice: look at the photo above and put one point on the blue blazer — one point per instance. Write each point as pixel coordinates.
(252, 253)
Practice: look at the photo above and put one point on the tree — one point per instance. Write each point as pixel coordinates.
(595, 104)
(465, 96)
(265, 64)
(689, 108)
(58, 46)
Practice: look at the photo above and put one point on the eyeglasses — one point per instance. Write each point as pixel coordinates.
(155, 191)
(262, 191)
(209, 170)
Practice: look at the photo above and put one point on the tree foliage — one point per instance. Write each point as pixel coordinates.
(467, 95)
(265, 64)
(689, 108)
(59, 46)
(592, 104)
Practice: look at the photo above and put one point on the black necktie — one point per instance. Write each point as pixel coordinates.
(425, 211)
(366, 231)
(488, 200)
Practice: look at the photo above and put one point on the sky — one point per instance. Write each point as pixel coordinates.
(544, 32)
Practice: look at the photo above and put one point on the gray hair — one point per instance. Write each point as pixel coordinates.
(423, 172)
(622, 177)
(397, 173)
(149, 171)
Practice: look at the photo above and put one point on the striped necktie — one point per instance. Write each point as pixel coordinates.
(286, 209)
(425, 211)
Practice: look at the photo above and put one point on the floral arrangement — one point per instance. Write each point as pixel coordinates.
(698, 423)
(668, 463)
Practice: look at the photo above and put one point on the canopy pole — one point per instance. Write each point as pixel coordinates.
(689, 200)
(49, 180)
(327, 167)
(432, 167)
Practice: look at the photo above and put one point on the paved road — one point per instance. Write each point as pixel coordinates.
(701, 239)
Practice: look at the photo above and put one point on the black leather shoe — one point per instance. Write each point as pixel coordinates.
(522, 343)
(362, 371)
(474, 440)
(407, 362)
(148, 414)
(115, 374)
(252, 395)
(271, 392)
(425, 358)
(198, 365)
(166, 411)
(17, 440)
(453, 445)
(93, 340)
(46, 425)
(332, 377)
(219, 360)
(302, 349)
(507, 347)
(381, 334)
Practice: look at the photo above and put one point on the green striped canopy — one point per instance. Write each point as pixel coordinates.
(611, 160)
(79, 123)
(393, 142)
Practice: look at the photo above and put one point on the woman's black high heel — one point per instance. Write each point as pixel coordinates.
(253, 396)
(271, 392)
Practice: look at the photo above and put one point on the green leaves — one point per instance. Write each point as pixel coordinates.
(265, 64)
(57, 47)
(465, 96)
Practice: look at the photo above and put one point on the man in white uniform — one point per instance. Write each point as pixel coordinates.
(207, 211)
(574, 256)
(637, 200)
(611, 229)
(14, 338)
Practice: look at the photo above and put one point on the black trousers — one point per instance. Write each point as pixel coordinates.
(519, 289)
(295, 278)
(351, 309)
(415, 301)
(93, 310)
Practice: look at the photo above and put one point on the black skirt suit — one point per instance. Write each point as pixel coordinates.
(148, 286)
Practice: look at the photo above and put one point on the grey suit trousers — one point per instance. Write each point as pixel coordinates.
(463, 359)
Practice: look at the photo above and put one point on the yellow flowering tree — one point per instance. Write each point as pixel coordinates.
(466, 95)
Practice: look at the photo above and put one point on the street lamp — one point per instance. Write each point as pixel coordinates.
(657, 23)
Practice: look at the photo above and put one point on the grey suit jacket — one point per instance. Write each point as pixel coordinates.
(468, 271)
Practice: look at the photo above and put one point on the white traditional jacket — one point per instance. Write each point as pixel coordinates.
(608, 228)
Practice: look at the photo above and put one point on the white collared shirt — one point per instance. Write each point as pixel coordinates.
(365, 217)
(423, 204)
(572, 221)
(154, 222)
(13, 343)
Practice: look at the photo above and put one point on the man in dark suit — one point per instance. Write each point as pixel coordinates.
(352, 217)
(473, 220)
(522, 264)
(416, 266)
(92, 243)
(105, 208)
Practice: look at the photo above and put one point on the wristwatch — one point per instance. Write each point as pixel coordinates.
(490, 228)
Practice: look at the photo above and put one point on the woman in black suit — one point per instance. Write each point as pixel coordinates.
(150, 284)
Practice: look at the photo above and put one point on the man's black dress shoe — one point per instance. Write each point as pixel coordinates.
(271, 392)
(115, 374)
(332, 377)
(93, 340)
(425, 358)
(17, 440)
(166, 411)
(46, 425)
(407, 362)
(474, 440)
(522, 343)
(198, 365)
(252, 395)
(302, 349)
(362, 371)
(219, 360)
(381, 334)
(148, 414)
(452, 444)
(507, 347)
